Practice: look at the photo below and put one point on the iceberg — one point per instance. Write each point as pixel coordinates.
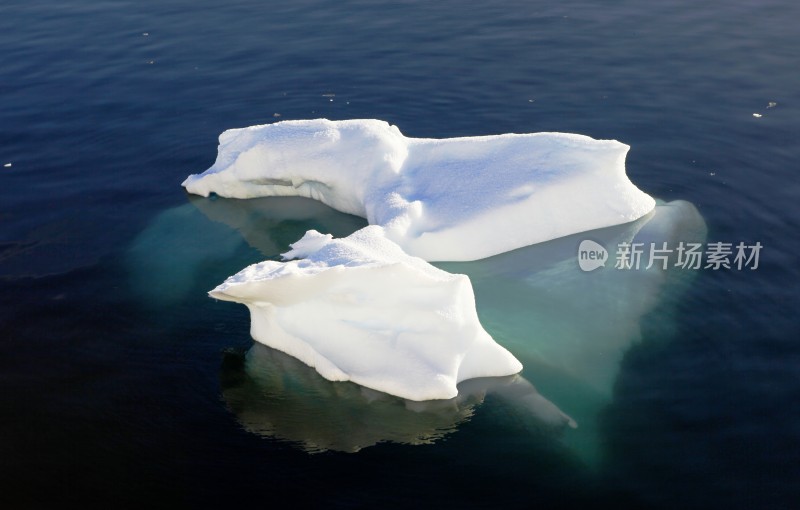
(360, 309)
(455, 199)
(370, 308)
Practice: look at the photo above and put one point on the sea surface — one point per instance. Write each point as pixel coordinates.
(123, 385)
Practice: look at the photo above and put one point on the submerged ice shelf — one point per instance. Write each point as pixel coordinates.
(369, 308)
(570, 329)
(452, 199)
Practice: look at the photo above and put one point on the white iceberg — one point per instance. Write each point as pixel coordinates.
(452, 199)
(368, 308)
(360, 309)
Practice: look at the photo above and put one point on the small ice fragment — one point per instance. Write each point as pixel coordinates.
(276, 115)
(7, 165)
(145, 34)
(772, 104)
(757, 115)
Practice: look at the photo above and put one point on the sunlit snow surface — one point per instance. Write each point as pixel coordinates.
(440, 199)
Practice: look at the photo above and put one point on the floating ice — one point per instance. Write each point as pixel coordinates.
(451, 199)
(368, 308)
(360, 309)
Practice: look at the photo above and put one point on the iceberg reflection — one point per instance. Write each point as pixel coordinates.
(275, 395)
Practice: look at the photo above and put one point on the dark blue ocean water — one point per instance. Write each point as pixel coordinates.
(121, 383)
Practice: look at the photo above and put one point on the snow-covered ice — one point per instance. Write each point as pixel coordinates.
(360, 309)
(439, 199)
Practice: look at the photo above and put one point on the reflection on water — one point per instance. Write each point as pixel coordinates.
(275, 395)
(271, 224)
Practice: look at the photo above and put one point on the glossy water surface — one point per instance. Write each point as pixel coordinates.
(122, 383)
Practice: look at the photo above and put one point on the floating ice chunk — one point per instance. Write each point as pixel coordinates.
(360, 309)
(449, 199)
